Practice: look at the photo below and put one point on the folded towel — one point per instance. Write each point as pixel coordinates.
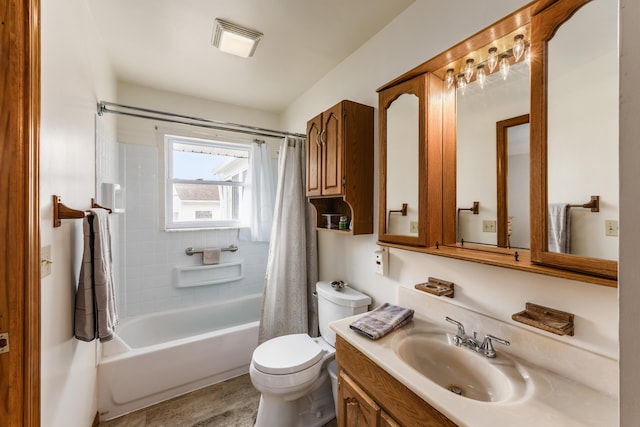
(382, 320)
(211, 256)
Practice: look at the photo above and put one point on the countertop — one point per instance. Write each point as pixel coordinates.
(550, 400)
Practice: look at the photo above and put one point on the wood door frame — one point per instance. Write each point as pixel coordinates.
(20, 213)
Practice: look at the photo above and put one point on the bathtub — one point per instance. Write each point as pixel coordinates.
(158, 356)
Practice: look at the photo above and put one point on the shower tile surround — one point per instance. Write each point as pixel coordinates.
(150, 254)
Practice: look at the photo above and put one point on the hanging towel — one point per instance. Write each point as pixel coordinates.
(559, 228)
(382, 320)
(95, 312)
(211, 256)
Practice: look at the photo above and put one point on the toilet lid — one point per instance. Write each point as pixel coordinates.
(287, 354)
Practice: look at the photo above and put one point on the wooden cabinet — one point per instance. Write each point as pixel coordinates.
(357, 407)
(369, 396)
(340, 166)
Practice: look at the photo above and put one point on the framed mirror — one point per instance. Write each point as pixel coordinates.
(409, 164)
(574, 131)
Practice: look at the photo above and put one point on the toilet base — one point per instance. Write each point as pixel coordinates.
(312, 410)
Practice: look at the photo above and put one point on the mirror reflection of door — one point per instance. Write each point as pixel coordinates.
(513, 182)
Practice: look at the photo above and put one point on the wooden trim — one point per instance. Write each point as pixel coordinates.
(19, 218)
(543, 28)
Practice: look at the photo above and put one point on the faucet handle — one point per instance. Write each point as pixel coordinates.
(461, 332)
(487, 345)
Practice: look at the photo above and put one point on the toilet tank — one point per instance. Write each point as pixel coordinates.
(336, 304)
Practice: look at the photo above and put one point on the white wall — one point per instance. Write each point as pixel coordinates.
(420, 33)
(75, 74)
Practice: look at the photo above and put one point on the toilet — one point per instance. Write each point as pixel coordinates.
(294, 372)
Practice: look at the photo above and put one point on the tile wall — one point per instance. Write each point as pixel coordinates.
(150, 254)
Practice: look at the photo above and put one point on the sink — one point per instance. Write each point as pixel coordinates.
(461, 370)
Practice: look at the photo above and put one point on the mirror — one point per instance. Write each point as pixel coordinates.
(575, 137)
(481, 112)
(402, 165)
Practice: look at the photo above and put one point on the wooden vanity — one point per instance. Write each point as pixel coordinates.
(369, 396)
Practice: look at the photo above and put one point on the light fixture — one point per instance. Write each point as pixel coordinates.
(468, 70)
(518, 47)
(504, 66)
(481, 75)
(234, 39)
(450, 78)
(461, 83)
(527, 55)
(492, 61)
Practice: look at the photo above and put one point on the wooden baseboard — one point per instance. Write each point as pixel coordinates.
(96, 420)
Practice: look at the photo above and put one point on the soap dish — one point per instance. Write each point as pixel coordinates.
(438, 287)
(547, 319)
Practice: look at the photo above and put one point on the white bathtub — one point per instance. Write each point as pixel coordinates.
(158, 356)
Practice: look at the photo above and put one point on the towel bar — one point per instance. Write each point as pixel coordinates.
(190, 251)
(61, 211)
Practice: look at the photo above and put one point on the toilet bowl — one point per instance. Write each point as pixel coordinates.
(292, 371)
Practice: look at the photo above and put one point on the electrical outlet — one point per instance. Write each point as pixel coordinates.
(45, 261)
(611, 227)
(413, 227)
(488, 226)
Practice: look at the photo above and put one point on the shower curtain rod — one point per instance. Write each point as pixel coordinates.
(190, 121)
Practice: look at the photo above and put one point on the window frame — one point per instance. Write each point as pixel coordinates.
(169, 139)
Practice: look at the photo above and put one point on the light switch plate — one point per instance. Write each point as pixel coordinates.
(488, 226)
(45, 261)
(611, 227)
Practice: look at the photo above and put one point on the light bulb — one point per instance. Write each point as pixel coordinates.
(527, 55)
(461, 83)
(504, 66)
(468, 70)
(481, 75)
(449, 78)
(518, 47)
(492, 61)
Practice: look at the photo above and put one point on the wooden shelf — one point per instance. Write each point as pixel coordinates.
(500, 258)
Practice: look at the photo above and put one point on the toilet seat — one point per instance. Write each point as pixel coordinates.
(287, 354)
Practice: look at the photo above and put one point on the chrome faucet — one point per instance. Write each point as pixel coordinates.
(461, 339)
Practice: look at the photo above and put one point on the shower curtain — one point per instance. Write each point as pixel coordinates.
(288, 305)
(260, 194)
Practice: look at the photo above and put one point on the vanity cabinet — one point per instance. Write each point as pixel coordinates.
(369, 396)
(339, 178)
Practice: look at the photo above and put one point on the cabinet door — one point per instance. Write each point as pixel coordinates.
(331, 139)
(314, 156)
(355, 407)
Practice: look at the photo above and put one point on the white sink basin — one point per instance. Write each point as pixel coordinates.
(461, 370)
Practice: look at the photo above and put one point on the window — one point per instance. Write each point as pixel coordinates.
(205, 182)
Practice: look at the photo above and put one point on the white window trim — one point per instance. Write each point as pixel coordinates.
(164, 139)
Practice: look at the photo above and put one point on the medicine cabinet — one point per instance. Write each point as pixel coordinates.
(569, 99)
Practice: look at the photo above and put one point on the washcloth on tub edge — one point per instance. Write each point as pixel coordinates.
(382, 320)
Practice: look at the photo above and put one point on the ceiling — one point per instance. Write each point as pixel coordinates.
(166, 44)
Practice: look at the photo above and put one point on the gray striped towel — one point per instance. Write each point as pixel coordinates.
(382, 320)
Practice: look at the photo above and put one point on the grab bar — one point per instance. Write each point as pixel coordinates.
(190, 251)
